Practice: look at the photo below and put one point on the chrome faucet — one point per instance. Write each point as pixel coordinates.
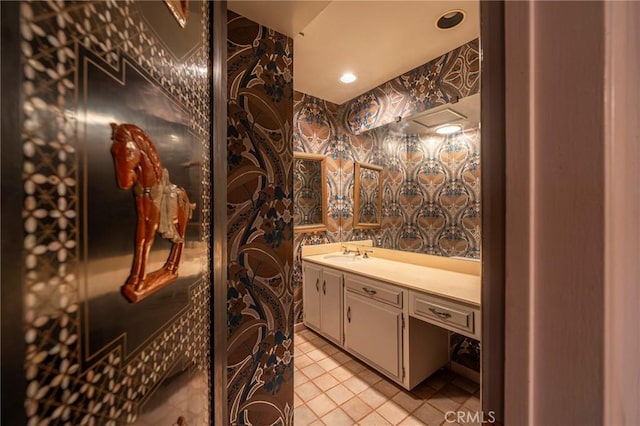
(366, 256)
(347, 251)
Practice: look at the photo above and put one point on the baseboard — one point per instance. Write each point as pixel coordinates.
(299, 327)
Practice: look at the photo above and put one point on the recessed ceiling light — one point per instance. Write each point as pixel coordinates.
(348, 77)
(450, 19)
(448, 129)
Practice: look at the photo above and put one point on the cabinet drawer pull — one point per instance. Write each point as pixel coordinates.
(349, 314)
(440, 314)
(369, 291)
(324, 287)
(317, 284)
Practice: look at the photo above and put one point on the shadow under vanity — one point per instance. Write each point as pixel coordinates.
(393, 310)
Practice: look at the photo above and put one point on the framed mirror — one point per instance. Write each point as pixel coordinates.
(309, 192)
(367, 196)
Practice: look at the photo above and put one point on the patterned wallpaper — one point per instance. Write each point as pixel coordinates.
(259, 224)
(75, 58)
(443, 80)
(431, 185)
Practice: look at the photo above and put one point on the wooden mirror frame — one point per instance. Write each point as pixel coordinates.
(323, 178)
(356, 196)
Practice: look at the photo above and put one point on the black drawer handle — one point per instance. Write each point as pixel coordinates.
(369, 291)
(317, 284)
(444, 315)
(349, 314)
(324, 287)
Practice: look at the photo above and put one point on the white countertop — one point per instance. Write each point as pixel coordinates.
(453, 285)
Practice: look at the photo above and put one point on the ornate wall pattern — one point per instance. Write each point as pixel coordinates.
(443, 80)
(431, 185)
(260, 224)
(122, 385)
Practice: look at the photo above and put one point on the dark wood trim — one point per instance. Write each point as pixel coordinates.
(218, 326)
(14, 385)
(493, 148)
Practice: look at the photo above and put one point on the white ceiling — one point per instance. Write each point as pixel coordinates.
(376, 40)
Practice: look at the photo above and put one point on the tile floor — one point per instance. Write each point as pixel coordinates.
(332, 388)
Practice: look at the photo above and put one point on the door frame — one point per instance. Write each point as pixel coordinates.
(493, 190)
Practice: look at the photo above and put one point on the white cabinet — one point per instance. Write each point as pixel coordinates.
(377, 330)
(322, 300)
(400, 332)
(373, 331)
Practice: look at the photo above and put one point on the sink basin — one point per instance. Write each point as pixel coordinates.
(346, 258)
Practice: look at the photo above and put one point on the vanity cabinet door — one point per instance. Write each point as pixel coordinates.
(373, 330)
(311, 281)
(331, 306)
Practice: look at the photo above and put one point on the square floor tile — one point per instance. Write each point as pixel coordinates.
(374, 419)
(443, 403)
(412, 420)
(429, 415)
(321, 405)
(328, 363)
(337, 417)
(372, 397)
(386, 388)
(316, 354)
(473, 403)
(340, 394)
(423, 391)
(356, 408)
(325, 382)
(355, 385)
(354, 366)
(341, 357)
(302, 361)
(303, 416)
(312, 371)
(392, 412)
(454, 393)
(304, 348)
(369, 376)
(299, 378)
(307, 391)
(341, 373)
(407, 400)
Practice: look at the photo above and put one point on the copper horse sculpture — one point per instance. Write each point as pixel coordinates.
(160, 206)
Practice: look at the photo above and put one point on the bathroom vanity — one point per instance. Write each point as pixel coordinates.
(393, 310)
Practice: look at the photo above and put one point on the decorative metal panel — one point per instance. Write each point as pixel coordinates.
(93, 357)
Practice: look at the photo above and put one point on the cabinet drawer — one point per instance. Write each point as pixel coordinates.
(456, 317)
(374, 289)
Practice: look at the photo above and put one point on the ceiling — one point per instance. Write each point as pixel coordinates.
(375, 40)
